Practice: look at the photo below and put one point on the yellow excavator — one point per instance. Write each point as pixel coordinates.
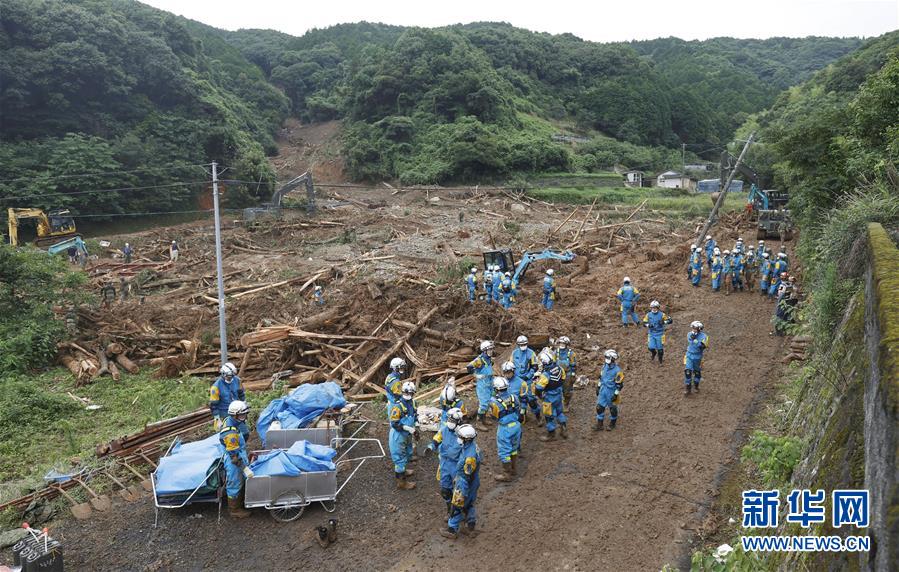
(52, 227)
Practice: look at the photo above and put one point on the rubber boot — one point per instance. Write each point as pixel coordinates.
(597, 425)
(695, 387)
(403, 484)
(469, 529)
(236, 509)
(515, 464)
(549, 436)
(661, 355)
(652, 355)
(540, 420)
(564, 430)
(612, 424)
(686, 389)
(480, 425)
(506, 475)
(449, 533)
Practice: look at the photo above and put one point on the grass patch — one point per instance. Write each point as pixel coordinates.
(42, 427)
(662, 199)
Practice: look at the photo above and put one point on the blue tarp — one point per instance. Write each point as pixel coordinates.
(186, 466)
(301, 407)
(302, 457)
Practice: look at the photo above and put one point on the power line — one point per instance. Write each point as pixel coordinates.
(119, 190)
(102, 174)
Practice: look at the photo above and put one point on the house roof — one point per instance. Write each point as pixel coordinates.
(670, 174)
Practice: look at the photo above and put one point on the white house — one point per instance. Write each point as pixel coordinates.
(633, 178)
(674, 180)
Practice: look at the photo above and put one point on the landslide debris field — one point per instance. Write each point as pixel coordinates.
(392, 265)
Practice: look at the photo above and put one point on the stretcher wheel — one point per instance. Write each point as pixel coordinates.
(288, 506)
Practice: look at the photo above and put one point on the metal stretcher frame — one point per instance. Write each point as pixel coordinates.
(336, 421)
(287, 497)
(192, 497)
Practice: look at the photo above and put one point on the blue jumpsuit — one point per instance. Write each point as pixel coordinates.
(319, 297)
(497, 280)
(548, 387)
(465, 487)
(519, 388)
(525, 367)
(779, 266)
(233, 437)
(472, 283)
(611, 380)
(507, 409)
(549, 292)
(488, 286)
(222, 393)
(448, 450)
(726, 268)
(696, 267)
(759, 252)
(696, 345)
(482, 368)
(507, 288)
(709, 251)
(394, 386)
(776, 281)
(402, 413)
(765, 275)
(457, 403)
(628, 296)
(737, 268)
(717, 267)
(656, 322)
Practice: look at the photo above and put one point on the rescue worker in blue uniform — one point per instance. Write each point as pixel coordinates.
(225, 389)
(628, 295)
(709, 249)
(776, 283)
(487, 278)
(526, 365)
(656, 320)
(497, 280)
(738, 246)
(465, 485)
(549, 289)
(548, 387)
(717, 268)
(737, 270)
(697, 344)
(319, 295)
(507, 291)
(517, 386)
(449, 399)
(750, 267)
(506, 409)
(760, 250)
(393, 385)
(765, 268)
(403, 432)
(567, 360)
(727, 271)
(608, 391)
(233, 436)
(471, 281)
(482, 369)
(780, 267)
(448, 449)
(695, 266)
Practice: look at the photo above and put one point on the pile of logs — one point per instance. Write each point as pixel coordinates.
(153, 433)
(798, 349)
(87, 365)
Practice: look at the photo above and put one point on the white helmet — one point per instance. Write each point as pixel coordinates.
(508, 366)
(238, 407)
(716, 251)
(474, 270)
(397, 364)
(448, 394)
(740, 239)
(500, 383)
(761, 242)
(708, 237)
(228, 370)
(546, 356)
(453, 417)
(550, 271)
(692, 247)
(408, 388)
(627, 280)
(508, 274)
(486, 345)
(765, 255)
(727, 252)
(466, 432)
(781, 254)
(696, 324)
(655, 304)
(564, 340)
(496, 267)
(610, 355)
(521, 340)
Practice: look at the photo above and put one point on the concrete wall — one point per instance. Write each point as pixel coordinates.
(881, 399)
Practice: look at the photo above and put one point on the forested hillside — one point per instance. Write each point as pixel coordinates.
(116, 86)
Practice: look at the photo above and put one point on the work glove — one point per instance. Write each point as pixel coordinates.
(248, 473)
(409, 429)
(617, 391)
(692, 336)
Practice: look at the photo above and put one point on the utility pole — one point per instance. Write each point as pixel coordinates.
(683, 159)
(723, 194)
(223, 339)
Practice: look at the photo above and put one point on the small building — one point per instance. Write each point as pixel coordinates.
(633, 178)
(675, 180)
(699, 167)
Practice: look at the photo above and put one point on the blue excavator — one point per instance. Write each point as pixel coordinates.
(506, 261)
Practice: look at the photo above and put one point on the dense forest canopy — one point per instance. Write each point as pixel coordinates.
(100, 86)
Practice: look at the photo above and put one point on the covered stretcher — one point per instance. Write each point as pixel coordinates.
(189, 473)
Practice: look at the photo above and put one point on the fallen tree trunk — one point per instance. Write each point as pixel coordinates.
(126, 363)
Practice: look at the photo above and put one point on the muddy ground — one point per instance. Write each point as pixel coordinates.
(632, 499)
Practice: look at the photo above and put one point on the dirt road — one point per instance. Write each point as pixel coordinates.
(622, 500)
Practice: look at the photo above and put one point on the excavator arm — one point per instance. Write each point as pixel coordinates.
(528, 257)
